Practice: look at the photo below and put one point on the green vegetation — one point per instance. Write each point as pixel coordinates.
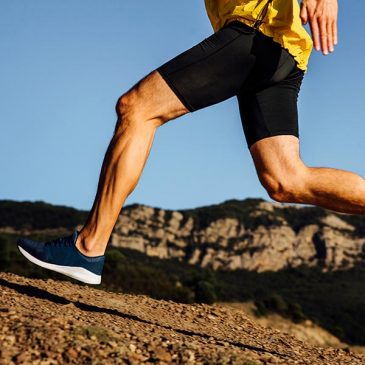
(358, 221)
(237, 209)
(100, 333)
(251, 362)
(299, 218)
(275, 303)
(38, 215)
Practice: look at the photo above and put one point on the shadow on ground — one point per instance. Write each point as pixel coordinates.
(33, 291)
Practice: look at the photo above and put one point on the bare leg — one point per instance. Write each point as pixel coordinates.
(288, 179)
(141, 111)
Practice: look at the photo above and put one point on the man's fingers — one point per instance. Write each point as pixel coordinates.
(304, 14)
(315, 33)
(323, 31)
(329, 37)
(322, 17)
(334, 32)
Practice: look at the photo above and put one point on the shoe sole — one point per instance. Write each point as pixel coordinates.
(78, 273)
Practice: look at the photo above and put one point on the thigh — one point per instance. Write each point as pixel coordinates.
(151, 99)
(213, 70)
(271, 109)
(277, 157)
(278, 164)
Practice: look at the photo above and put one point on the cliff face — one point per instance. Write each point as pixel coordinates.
(251, 234)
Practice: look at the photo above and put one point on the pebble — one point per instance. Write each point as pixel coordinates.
(132, 347)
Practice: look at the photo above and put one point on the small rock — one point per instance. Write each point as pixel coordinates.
(72, 353)
(132, 347)
(162, 354)
(21, 357)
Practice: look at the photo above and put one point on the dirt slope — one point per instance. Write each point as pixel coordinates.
(53, 322)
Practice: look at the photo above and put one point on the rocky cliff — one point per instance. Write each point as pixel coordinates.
(251, 234)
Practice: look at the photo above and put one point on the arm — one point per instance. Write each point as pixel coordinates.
(322, 17)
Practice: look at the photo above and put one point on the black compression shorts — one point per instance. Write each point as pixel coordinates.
(240, 61)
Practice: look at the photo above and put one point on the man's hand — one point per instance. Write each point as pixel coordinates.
(322, 16)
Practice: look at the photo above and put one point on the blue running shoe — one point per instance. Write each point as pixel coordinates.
(63, 256)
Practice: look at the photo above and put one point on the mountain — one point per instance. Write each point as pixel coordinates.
(57, 322)
(251, 234)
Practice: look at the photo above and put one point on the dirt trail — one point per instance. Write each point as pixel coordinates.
(56, 322)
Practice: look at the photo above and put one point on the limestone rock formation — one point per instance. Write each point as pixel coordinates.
(252, 234)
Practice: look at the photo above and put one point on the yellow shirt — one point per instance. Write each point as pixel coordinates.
(282, 22)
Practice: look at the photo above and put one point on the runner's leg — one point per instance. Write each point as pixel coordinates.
(270, 120)
(208, 73)
(140, 111)
(288, 179)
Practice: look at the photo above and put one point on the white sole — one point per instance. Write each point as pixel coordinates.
(78, 273)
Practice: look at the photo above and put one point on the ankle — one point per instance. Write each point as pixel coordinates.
(88, 247)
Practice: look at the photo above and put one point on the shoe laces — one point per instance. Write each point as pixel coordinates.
(62, 241)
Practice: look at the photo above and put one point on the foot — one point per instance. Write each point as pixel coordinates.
(63, 256)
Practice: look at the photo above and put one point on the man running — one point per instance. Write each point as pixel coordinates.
(258, 53)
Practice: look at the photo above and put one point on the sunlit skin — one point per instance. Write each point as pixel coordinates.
(151, 103)
(322, 18)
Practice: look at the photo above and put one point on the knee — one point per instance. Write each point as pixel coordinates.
(288, 187)
(132, 111)
(125, 105)
(126, 109)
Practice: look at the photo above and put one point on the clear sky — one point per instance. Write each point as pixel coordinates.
(64, 63)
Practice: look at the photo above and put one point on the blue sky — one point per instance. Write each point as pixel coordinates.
(64, 63)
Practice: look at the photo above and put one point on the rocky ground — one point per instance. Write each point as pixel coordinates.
(54, 322)
(307, 331)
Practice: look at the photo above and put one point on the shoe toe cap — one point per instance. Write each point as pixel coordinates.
(32, 247)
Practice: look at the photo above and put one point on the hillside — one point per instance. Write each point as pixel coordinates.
(52, 322)
(303, 264)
